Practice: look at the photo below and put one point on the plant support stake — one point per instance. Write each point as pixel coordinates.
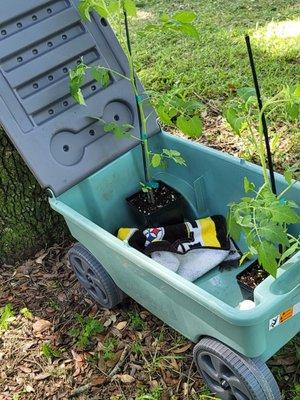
(264, 122)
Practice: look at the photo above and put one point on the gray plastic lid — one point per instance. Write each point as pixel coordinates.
(60, 142)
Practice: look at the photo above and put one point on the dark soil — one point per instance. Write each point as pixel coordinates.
(163, 196)
(253, 276)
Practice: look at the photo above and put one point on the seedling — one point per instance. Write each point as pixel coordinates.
(50, 352)
(264, 217)
(6, 317)
(26, 313)
(136, 348)
(173, 109)
(153, 394)
(136, 322)
(89, 327)
(93, 358)
(109, 349)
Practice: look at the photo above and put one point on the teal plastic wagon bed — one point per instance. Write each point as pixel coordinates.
(88, 175)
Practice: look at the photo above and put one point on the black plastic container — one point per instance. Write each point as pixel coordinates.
(247, 291)
(172, 213)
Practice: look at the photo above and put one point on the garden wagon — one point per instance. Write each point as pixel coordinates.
(89, 174)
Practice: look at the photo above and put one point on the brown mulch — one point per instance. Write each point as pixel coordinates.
(48, 288)
(151, 358)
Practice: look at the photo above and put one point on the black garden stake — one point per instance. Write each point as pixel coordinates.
(264, 122)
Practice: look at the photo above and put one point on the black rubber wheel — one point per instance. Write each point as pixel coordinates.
(94, 278)
(231, 376)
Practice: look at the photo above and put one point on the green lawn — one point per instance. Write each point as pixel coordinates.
(218, 64)
(219, 61)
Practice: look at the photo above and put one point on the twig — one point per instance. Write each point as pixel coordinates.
(81, 389)
(119, 364)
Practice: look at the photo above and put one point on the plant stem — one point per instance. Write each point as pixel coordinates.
(141, 113)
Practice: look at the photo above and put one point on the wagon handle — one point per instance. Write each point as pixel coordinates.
(260, 105)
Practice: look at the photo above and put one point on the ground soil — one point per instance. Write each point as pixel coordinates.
(163, 196)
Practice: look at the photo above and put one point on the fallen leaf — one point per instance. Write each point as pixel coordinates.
(121, 325)
(185, 389)
(125, 378)
(29, 389)
(98, 380)
(42, 376)
(41, 326)
(183, 349)
(40, 259)
(26, 370)
(110, 321)
(174, 364)
(79, 361)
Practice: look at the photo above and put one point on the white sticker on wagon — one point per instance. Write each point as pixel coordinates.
(284, 316)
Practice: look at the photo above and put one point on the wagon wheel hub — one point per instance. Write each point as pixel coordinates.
(221, 378)
(89, 280)
(225, 385)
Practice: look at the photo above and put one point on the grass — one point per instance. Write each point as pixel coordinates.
(48, 351)
(89, 327)
(218, 64)
(6, 317)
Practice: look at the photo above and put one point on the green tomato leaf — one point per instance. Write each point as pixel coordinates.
(248, 186)
(101, 75)
(186, 17)
(192, 127)
(130, 8)
(289, 252)
(238, 124)
(101, 10)
(156, 160)
(283, 214)
(267, 257)
(76, 80)
(78, 97)
(84, 9)
(234, 229)
(246, 93)
(109, 126)
(165, 115)
(288, 176)
(174, 153)
(274, 233)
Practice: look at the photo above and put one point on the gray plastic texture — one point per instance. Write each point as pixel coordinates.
(60, 142)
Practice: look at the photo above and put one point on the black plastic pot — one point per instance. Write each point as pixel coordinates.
(247, 291)
(170, 214)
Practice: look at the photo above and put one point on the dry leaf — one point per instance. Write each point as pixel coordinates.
(183, 349)
(26, 370)
(125, 378)
(121, 325)
(42, 376)
(174, 364)
(79, 361)
(40, 259)
(29, 389)
(98, 380)
(41, 326)
(110, 321)
(185, 389)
